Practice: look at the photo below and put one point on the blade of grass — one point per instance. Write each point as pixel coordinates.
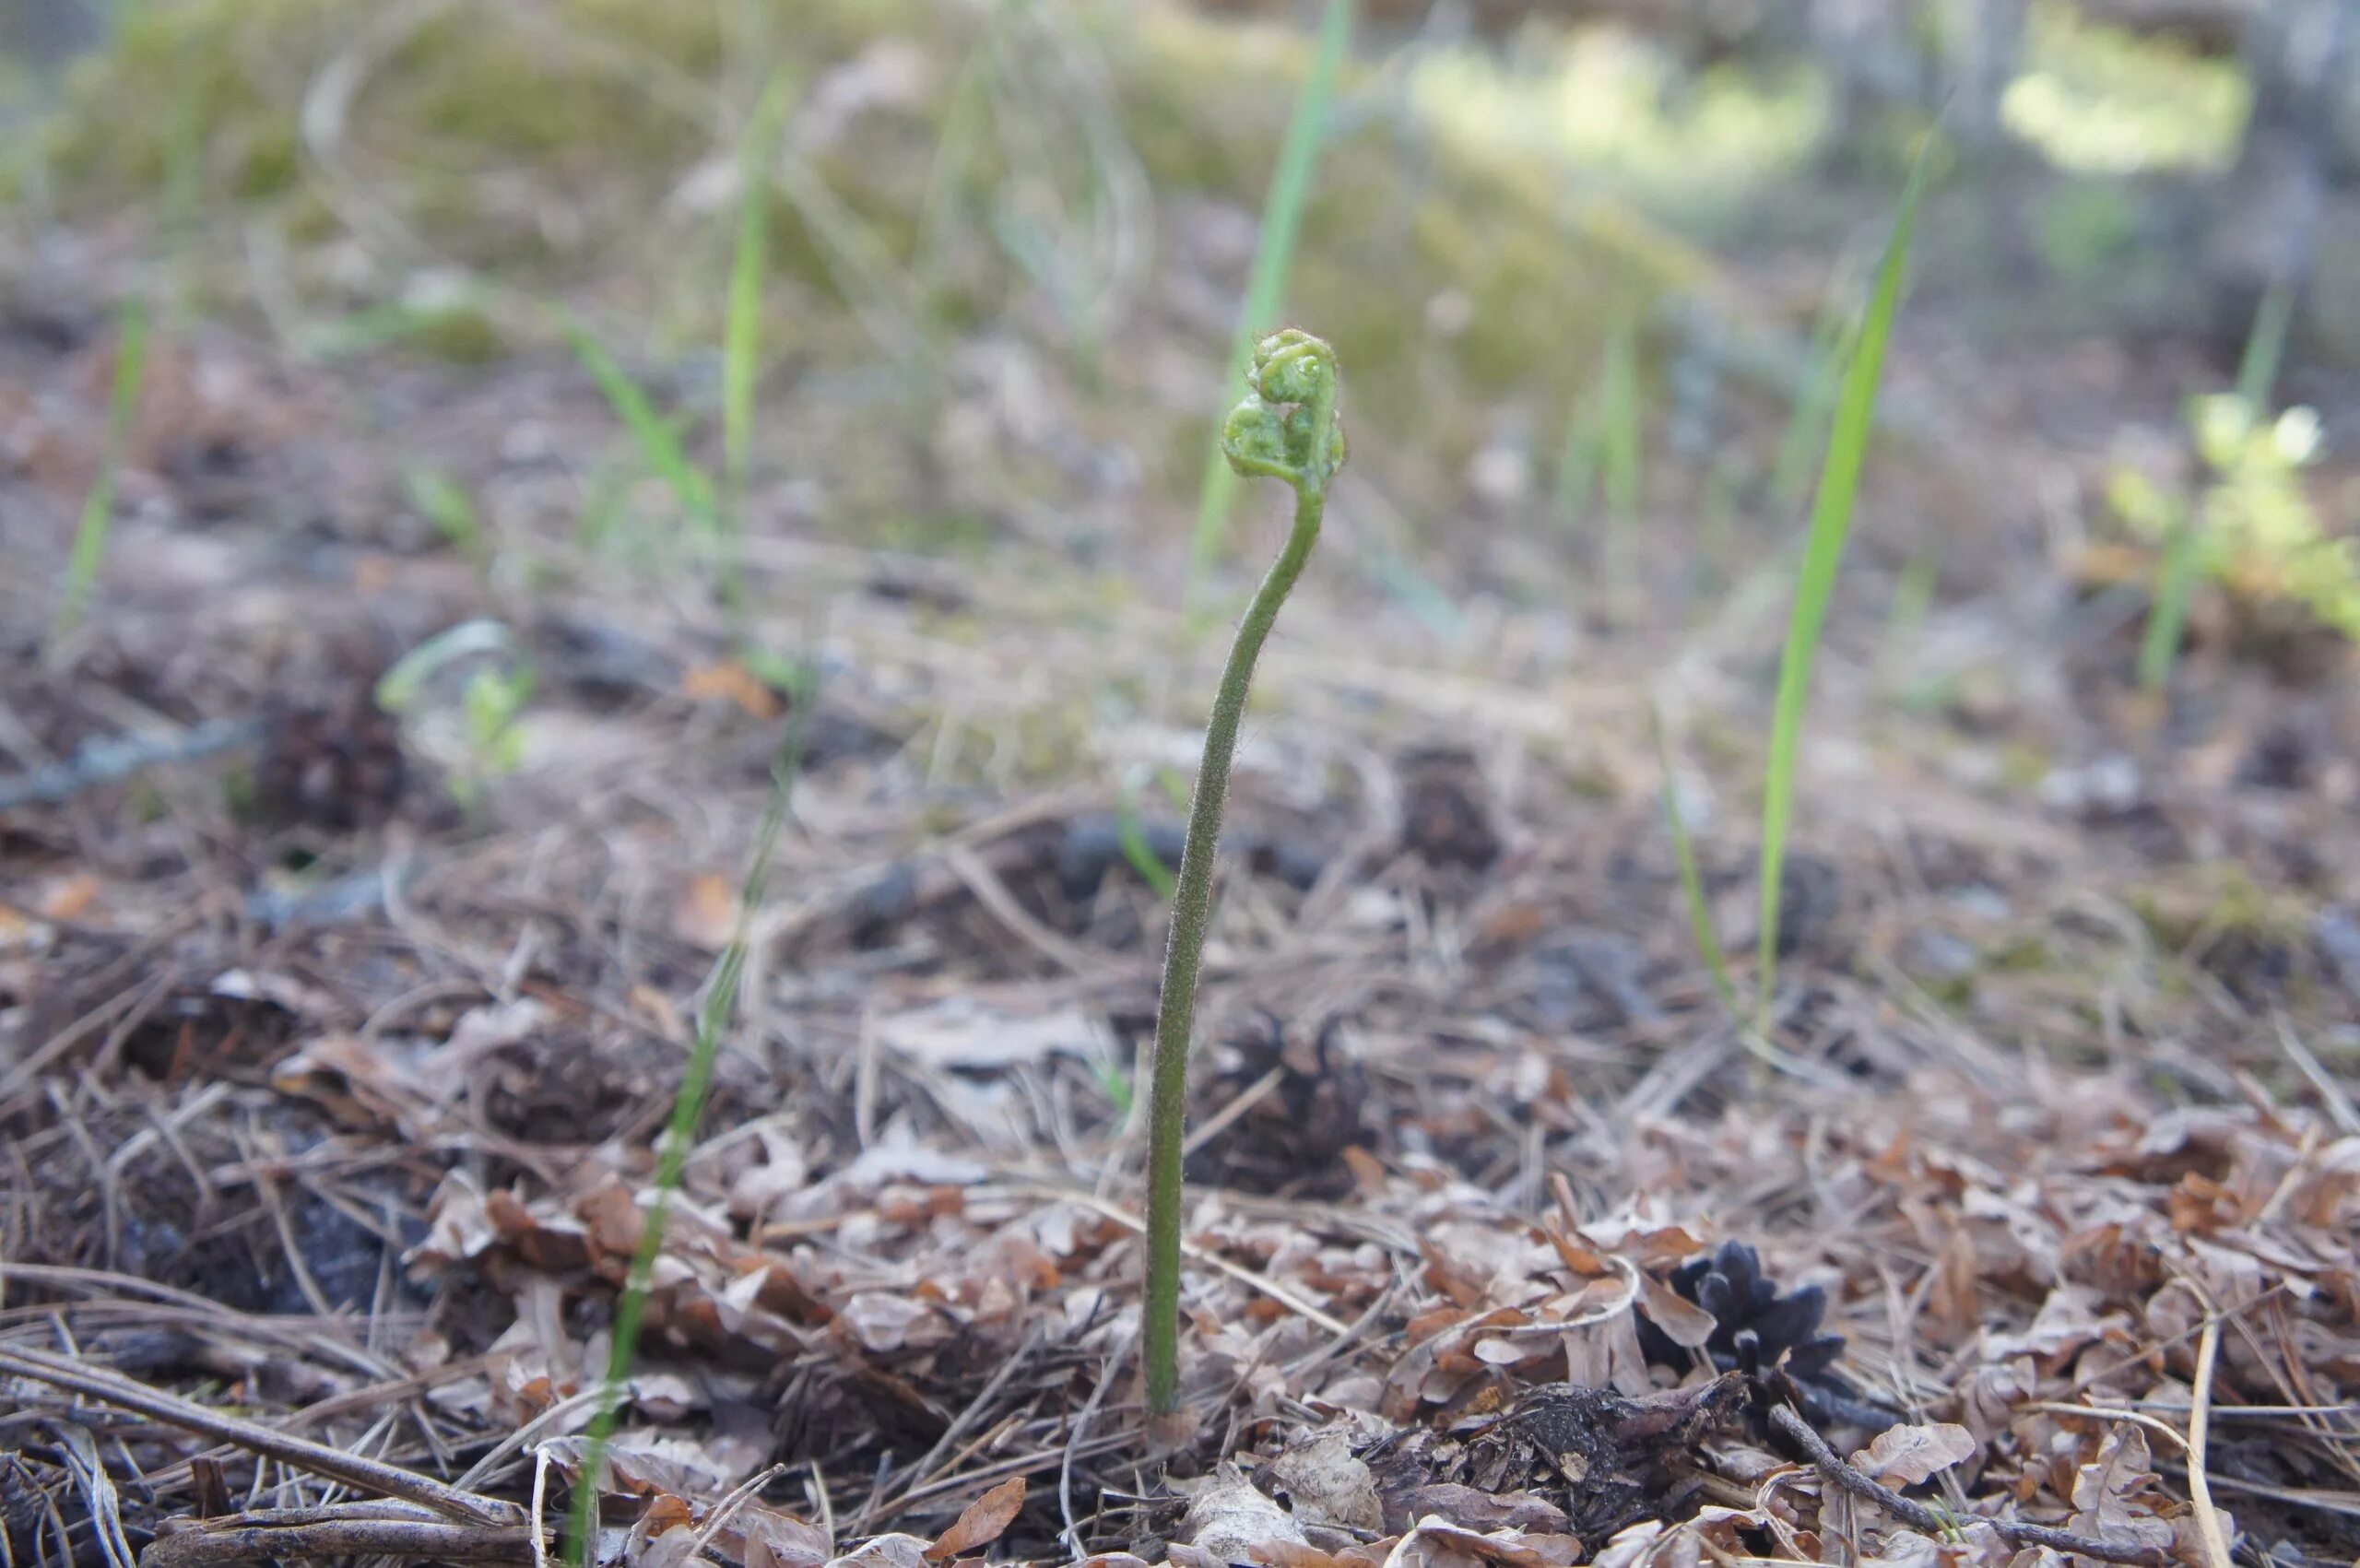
(658, 440)
(98, 507)
(2265, 349)
(1691, 882)
(1578, 462)
(2175, 573)
(1619, 416)
(688, 1108)
(1266, 285)
(741, 347)
(1619, 419)
(1831, 523)
(1833, 341)
(1132, 836)
(2167, 618)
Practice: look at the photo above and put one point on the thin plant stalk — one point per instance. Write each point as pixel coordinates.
(1691, 882)
(1286, 429)
(1831, 523)
(2175, 573)
(98, 507)
(658, 441)
(2167, 618)
(1619, 439)
(1266, 285)
(688, 1109)
(741, 345)
(2265, 349)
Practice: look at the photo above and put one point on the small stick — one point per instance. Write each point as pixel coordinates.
(119, 757)
(1922, 1518)
(255, 1537)
(2199, 1420)
(353, 1469)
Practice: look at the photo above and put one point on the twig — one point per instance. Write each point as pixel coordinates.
(1074, 1437)
(1917, 1516)
(331, 1532)
(1242, 1275)
(352, 1469)
(117, 757)
(2200, 1414)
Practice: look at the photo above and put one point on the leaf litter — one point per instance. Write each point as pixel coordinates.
(329, 1103)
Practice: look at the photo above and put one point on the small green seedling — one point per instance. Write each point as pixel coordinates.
(1691, 881)
(1266, 285)
(98, 507)
(1286, 429)
(491, 742)
(1831, 525)
(713, 1016)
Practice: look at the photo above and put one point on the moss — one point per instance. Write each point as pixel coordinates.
(538, 163)
(236, 69)
(460, 337)
(2216, 902)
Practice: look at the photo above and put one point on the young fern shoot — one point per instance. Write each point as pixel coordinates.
(1286, 429)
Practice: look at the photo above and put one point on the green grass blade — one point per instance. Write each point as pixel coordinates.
(1578, 462)
(1691, 883)
(2265, 349)
(741, 349)
(741, 344)
(658, 441)
(1265, 286)
(1132, 836)
(688, 1108)
(1832, 344)
(98, 507)
(1831, 523)
(2167, 616)
(1619, 416)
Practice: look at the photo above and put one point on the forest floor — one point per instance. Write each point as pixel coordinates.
(335, 1052)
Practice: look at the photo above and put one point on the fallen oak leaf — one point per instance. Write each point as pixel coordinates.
(982, 1522)
(1906, 1456)
(2107, 1498)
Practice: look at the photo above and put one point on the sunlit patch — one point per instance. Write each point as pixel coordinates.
(1605, 99)
(2099, 100)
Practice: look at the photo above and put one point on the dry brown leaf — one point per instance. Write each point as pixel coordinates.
(1290, 1554)
(982, 1522)
(705, 915)
(1906, 1456)
(760, 1536)
(1683, 1321)
(2107, 1491)
(1228, 1518)
(894, 1550)
(728, 680)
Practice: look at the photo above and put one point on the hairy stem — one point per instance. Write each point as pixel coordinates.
(1184, 956)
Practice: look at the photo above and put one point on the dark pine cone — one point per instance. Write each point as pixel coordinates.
(1761, 1332)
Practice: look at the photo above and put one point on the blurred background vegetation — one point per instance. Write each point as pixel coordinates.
(1595, 256)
